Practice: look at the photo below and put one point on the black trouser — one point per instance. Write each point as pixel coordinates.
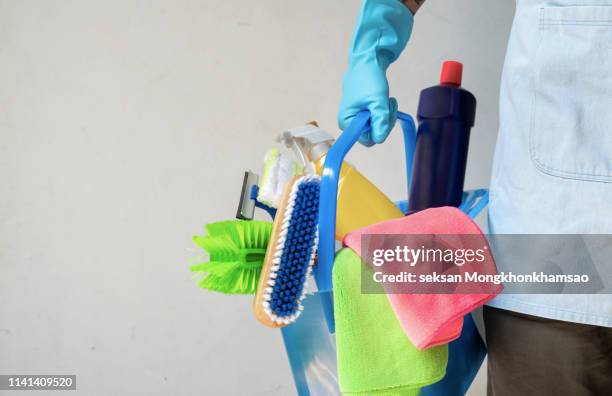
(529, 355)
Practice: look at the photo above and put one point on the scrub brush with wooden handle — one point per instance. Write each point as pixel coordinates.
(290, 255)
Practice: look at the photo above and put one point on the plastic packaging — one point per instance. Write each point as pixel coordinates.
(446, 114)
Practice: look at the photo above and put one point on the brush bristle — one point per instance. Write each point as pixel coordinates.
(236, 251)
(294, 253)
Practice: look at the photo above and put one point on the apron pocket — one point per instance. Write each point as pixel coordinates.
(571, 123)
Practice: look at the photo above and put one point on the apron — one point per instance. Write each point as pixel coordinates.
(552, 171)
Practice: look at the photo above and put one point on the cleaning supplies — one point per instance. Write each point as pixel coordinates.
(279, 168)
(247, 204)
(446, 114)
(236, 251)
(248, 198)
(434, 319)
(374, 355)
(360, 203)
(290, 254)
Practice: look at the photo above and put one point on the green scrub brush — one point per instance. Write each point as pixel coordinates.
(236, 250)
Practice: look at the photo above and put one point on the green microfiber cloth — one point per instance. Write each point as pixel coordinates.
(374, 355)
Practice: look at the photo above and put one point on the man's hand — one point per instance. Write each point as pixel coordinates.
(382, 32)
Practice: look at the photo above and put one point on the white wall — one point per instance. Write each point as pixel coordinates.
(126, 125)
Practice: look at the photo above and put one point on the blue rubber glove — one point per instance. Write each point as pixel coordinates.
(382, 32)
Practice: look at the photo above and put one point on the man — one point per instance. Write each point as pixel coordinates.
(552, 174)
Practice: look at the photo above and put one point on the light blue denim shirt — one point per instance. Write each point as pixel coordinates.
(552, 171)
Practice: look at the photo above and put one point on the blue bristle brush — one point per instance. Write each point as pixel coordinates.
(290, 254)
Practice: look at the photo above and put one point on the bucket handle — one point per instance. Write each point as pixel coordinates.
(329, 187)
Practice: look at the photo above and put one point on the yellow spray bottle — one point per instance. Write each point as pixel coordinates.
(360, 202)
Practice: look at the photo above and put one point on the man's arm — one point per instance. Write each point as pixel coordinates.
(382, 32)
(413, 4)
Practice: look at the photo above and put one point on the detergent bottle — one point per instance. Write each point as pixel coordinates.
(360, 203)
(445, 114)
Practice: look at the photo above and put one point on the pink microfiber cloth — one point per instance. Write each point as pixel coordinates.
(430, 313)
